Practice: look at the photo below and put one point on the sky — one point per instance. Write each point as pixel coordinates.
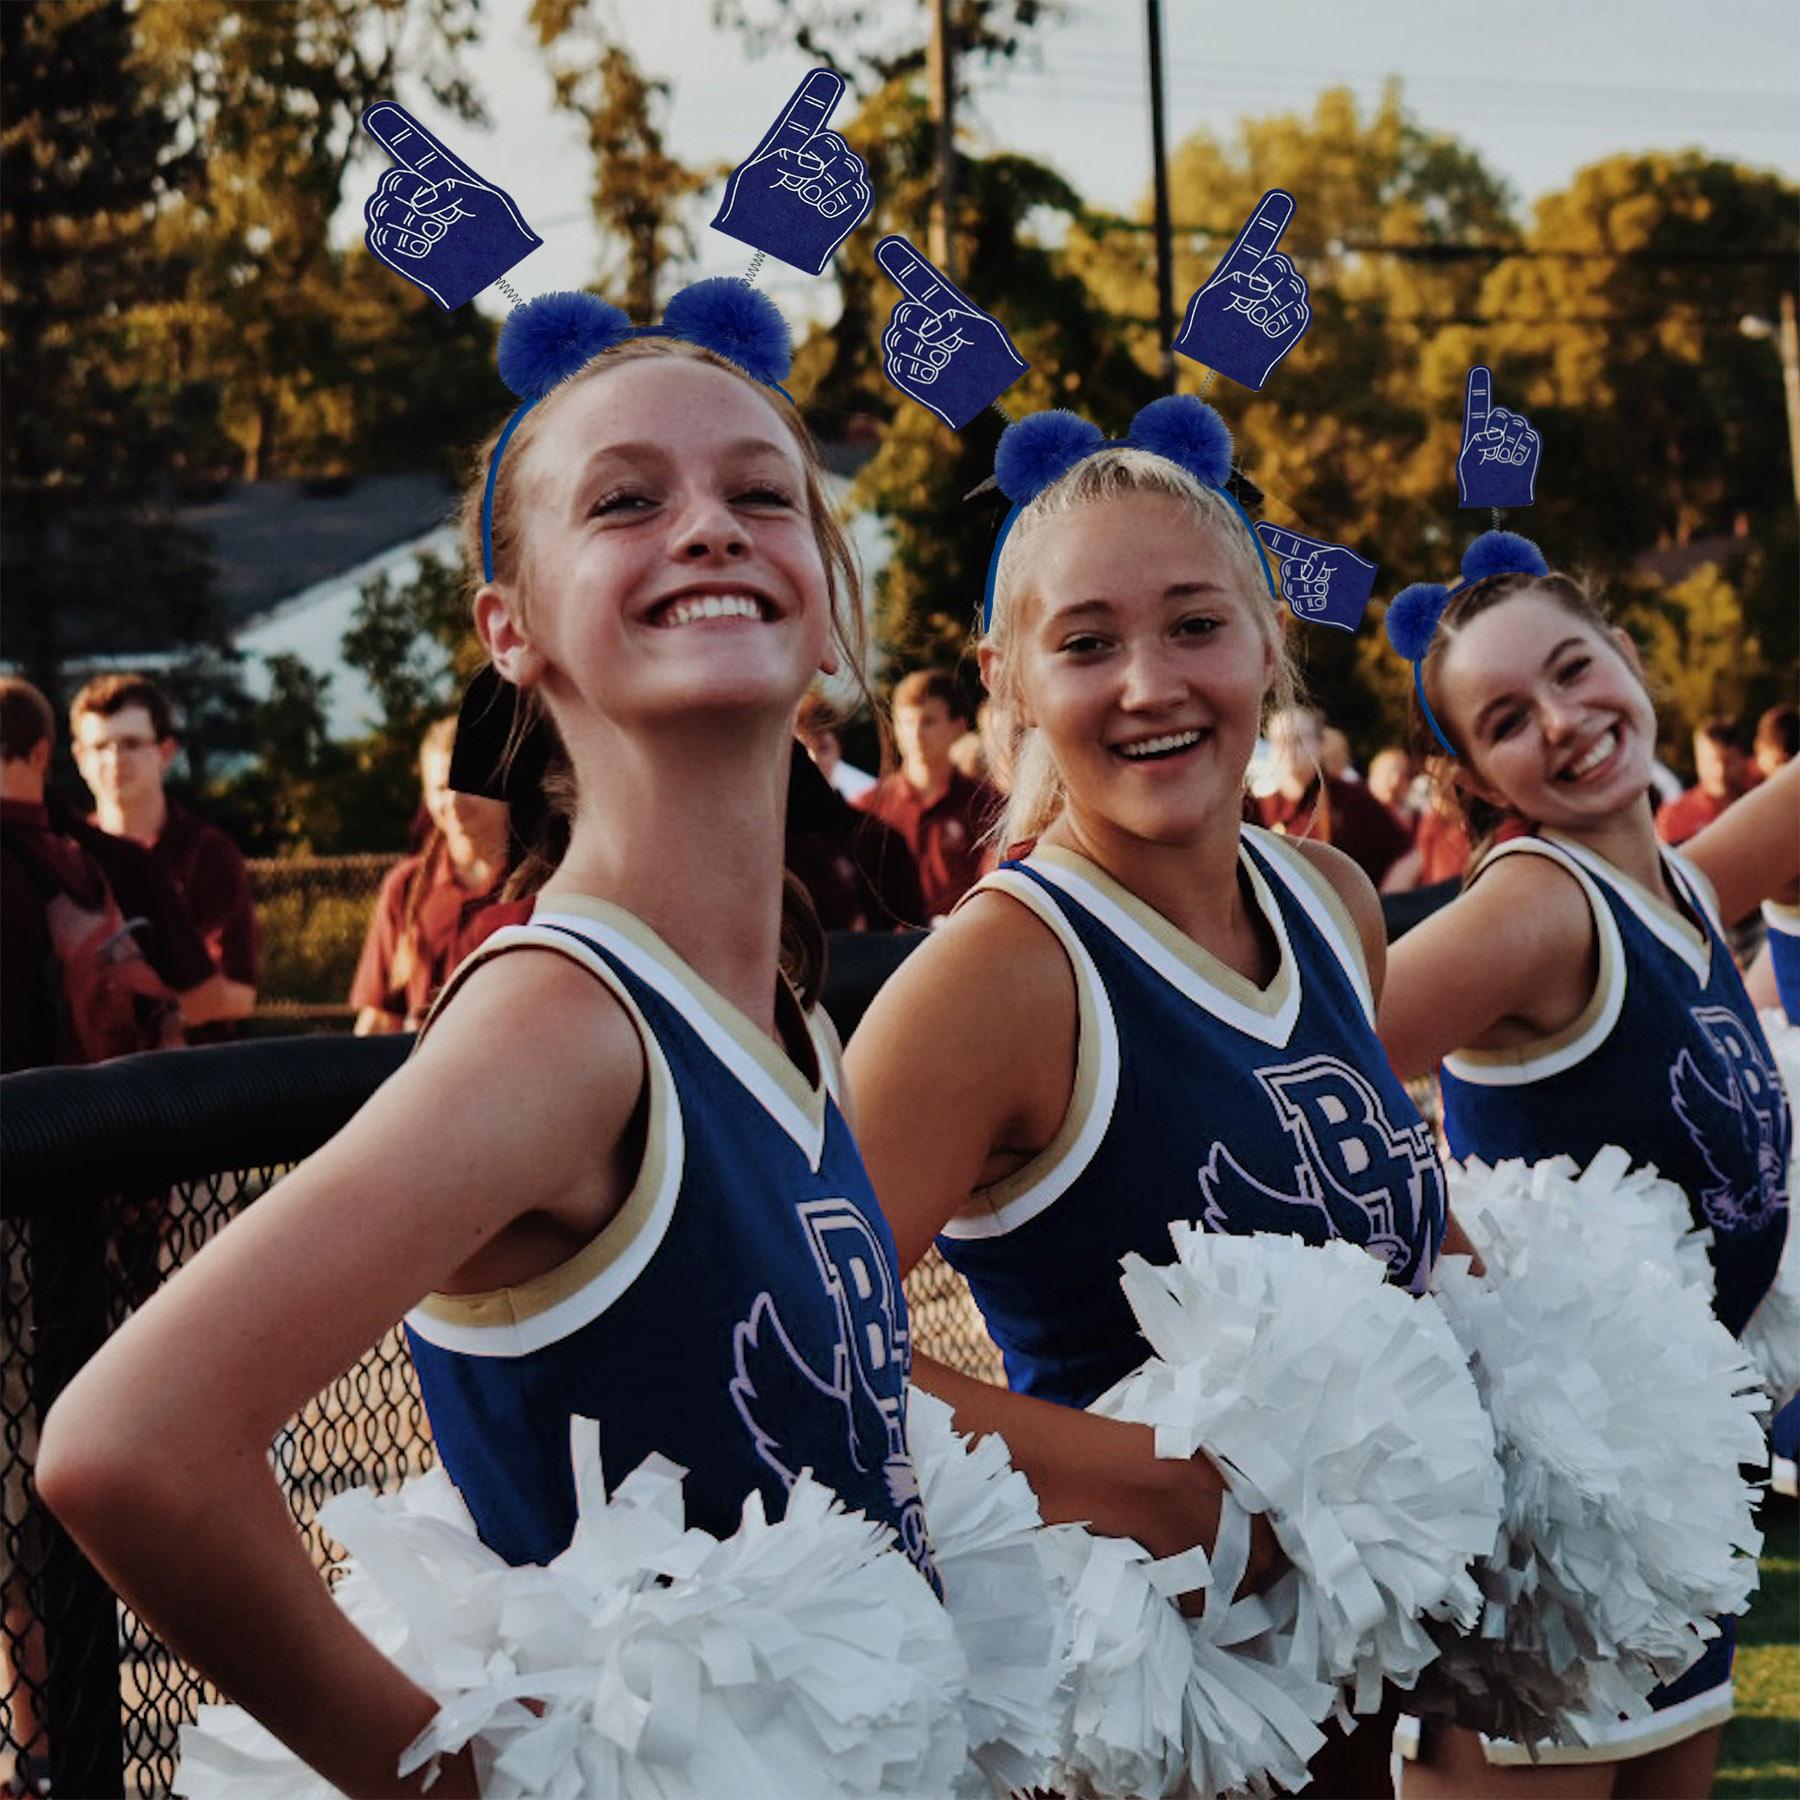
(1539, 87)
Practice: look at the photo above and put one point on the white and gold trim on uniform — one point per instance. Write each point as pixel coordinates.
(1590, 1028)
(796, 1104)
(514, 1321)
(1267, 1014)
(1779, 916)
(1324, 906)
(1028, 1191)
(1614, 1742)
(1686, 941)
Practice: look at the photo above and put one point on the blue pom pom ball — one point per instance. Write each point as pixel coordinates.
(1412, 617)
(1502, 553)
(1041, 449)
(549, 338)
(731, 319)
(1188, 433)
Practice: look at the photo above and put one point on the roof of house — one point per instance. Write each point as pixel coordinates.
(270, 540)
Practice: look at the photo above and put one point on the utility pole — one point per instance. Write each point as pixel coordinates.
(1789, 344)
(1159, 167)
(940, 68)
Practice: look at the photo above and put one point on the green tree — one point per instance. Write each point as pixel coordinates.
(301, 345)
(639, 191)
(85, 162)
(1345, 442)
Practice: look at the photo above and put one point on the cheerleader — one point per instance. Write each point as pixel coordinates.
(611, 1184)
(1151, 1012)
(1578, 994)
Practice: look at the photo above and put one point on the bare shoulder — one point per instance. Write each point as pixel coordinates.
(987, 977)
(1511, 959)
(1527, 901)
(963, 1067)
(533, 1056)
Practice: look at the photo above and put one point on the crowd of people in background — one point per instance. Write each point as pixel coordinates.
(132, 927)
(180, 957)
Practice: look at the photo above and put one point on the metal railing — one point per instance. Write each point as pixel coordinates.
(204, 1133)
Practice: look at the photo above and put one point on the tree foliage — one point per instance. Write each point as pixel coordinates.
(639, 190)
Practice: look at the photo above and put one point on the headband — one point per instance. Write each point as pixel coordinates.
(1414, 612)
(1036, 452)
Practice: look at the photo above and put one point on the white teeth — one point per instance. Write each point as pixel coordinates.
(712, 606)
(1595, 757)
(1176, 740)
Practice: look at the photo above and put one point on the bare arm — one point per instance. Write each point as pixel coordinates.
(217, 998)
(962, 1069)
(1751, 853)
(1512, 959)
(519, 1095)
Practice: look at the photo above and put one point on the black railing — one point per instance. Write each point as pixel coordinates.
(115, 1176)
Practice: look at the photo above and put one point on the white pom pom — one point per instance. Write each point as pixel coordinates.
(1343, 1409)
(799, 1657)
(1009, 1616)
(1773, 1335)
(1623, 1409)
(1158, 1704)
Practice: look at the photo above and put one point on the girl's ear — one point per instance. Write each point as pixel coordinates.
(1626, 645)
(515, 658)
(987, 660)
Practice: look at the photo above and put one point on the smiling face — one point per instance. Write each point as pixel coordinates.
(669, 563)
(1142, 662)
(1554, 721)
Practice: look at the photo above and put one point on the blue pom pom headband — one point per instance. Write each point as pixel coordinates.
(1036, 452)
(1413, 613)
(547, 340)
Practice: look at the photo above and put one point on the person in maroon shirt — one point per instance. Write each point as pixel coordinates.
(124, 741)
(857, 870)
(943, 814)
(1724, 773)
(1307, 803)
(435, 907)
(40, 838)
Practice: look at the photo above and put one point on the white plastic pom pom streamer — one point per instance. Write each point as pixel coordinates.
(1343, 1409)
(1623, 1410)
(1773, 1335)
(802, 1657)
(1009, 1615)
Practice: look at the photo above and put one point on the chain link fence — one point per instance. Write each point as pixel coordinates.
(315, 913)
(84, 1684)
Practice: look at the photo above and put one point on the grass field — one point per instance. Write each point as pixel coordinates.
(1761, 1760)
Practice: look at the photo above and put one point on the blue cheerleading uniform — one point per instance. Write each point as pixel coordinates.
(1783, 937)
(1198, 1096)
(741, 1314)
(1669, 1061)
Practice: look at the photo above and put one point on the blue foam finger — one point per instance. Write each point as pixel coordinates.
(802, 190)
(940, 348)
(1253, 309)
(464, 232)
(1323, 583)
(1498, 463)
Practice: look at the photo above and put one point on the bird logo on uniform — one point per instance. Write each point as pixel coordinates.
(796, 1416)
(1354, 1175)
(1737, 1123)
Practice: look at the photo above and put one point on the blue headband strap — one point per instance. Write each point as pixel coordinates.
(1430, 716)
